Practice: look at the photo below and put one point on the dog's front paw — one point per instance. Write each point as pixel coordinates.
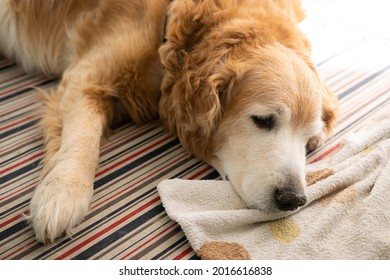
(59, 203)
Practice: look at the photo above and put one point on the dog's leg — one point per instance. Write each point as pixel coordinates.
(51, 123)
(62, 198)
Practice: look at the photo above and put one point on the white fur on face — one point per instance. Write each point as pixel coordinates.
(258, 161)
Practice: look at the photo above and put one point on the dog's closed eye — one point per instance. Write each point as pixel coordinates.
(267, 123)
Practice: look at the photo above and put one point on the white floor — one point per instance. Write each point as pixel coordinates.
(371, 16)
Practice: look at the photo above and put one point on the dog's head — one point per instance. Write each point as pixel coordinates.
(274, 109)
(248, 109)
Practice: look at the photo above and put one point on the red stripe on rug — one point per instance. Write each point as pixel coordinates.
(126, 136)
(351, 81)
(147, 242)
(23, 86)
(20, 249)
(19, 190)
(13, 219)
(107, 229)
(196, 175)
(16, 123)
(19, 106)
(326, 153)
(30, 139)
(131, 156)
(22, 162)
(137, 182)
(183, 254)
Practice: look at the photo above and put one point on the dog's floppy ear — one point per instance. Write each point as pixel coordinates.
(208, 90)
(330, 109)
(330, 104)
(197, 80)
(192, 103)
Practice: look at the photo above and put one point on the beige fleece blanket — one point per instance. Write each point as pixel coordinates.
(347, 215)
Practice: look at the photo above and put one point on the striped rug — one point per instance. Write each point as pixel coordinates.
(126, 218)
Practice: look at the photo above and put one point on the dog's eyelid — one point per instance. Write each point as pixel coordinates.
(267, 122)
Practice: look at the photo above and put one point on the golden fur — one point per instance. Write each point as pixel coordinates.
(220, 58)
(206, 58)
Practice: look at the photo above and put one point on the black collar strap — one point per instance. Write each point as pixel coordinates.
(164, 40)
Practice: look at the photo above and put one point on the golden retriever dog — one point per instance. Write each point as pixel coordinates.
(233, 80)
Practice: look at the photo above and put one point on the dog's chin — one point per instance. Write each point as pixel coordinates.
(266, 208)
(250, 204)
(264, 205)
(270, 210)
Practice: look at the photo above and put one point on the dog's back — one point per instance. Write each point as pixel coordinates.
(33, 31)
(49, 35)
(112, 43)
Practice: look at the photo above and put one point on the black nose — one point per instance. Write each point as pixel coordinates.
(287, 199)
